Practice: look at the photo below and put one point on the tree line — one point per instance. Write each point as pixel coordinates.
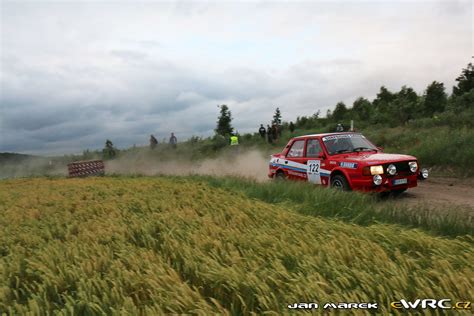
(387, 108)
(398, 108)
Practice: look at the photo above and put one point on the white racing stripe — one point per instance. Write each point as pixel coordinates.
(295, 166)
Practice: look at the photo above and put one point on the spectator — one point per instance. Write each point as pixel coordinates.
(109, 150)
(173, 141)
(234, 140)
(339, 128)
(269, 134)
(292, 127)
(262, 131)
(153, 142)
(275, 132)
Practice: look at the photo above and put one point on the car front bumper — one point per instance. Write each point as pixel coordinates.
(388, 184)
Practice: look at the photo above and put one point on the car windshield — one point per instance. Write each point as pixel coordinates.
(344, 143)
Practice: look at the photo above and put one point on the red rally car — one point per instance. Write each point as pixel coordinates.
(346, 161)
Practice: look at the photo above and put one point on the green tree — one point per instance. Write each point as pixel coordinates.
(224, 120)
(458, 104)
(434, 99)
(329, 114)
(317, 114)
(339, 112)
(465, 81)
(404, 107)
(383, 99)
(361, 109)
(277, 117)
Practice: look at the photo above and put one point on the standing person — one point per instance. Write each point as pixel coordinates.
(173, 141)
(262, 131)
(153, 142)
(109, 150)
(292, 127)
(275, 132)
(339, 128)
(234, 143)
(269, 134)
(234, 140)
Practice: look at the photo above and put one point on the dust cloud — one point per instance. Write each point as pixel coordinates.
(32, 167)
(250, 164)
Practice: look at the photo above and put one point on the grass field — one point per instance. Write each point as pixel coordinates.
(130, 245)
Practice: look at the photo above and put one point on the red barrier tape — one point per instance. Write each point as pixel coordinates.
(86, 168)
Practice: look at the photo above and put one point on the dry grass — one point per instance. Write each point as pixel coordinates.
(161, 245)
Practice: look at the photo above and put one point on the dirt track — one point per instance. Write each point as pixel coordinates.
(439, 192)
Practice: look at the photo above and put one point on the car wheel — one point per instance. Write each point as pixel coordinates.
(280, 176)
(340, 182)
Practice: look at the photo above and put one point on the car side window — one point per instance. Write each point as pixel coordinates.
(296, 149)
(313, 148)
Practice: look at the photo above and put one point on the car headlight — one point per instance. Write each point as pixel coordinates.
(391, 170)
(377, 179)
(424, 173)
(376, 170)
(413, 166)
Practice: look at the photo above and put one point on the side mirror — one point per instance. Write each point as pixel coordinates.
(379, 148)
(321, 155)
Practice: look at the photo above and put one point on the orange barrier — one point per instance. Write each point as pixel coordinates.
(86, 168)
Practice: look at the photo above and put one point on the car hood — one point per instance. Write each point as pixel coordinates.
(372, 158)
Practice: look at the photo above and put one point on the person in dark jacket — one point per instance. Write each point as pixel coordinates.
(292, 127)
(269, 134)
(153, 142)
(262, 131)
(173, 141)
(275, 132)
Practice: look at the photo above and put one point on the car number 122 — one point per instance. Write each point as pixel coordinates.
(313, 172)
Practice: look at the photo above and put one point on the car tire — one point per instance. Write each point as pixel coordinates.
(280, 176)
(340, 182)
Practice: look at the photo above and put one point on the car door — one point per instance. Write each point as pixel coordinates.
(295, 162)
(314, 156)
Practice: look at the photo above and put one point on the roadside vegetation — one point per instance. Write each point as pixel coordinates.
(358, 208)
(131, 245)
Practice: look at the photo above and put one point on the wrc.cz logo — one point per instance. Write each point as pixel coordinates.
(430, 303)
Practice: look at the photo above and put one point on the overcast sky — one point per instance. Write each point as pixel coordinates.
(74, 73)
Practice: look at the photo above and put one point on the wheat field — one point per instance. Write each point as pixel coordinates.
(155, 245)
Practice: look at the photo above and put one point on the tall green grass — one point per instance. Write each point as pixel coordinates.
(358, 208)
(134, 246)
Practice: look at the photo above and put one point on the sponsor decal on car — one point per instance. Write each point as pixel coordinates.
(339, 136)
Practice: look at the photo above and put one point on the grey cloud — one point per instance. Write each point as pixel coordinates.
(158, 68)
(129, 55)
